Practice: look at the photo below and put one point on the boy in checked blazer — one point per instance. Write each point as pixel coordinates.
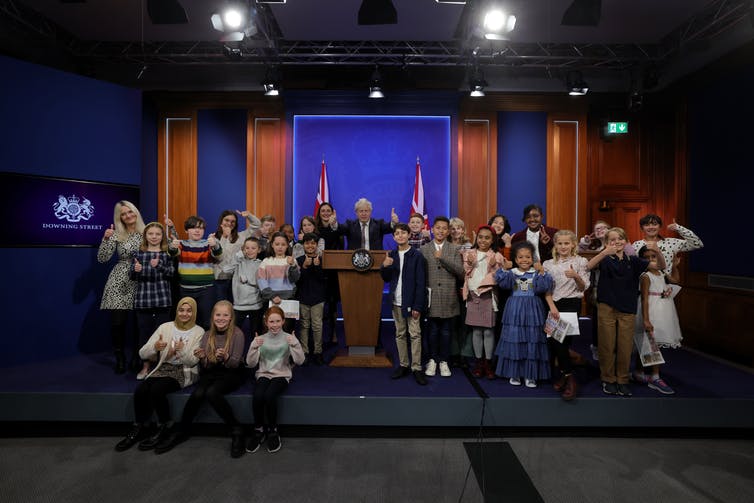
(444, 272)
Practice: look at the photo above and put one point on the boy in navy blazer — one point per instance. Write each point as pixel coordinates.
(406, 271)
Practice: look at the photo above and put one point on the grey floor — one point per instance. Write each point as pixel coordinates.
(604, 470)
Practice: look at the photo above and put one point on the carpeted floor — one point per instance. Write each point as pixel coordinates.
(567, 470)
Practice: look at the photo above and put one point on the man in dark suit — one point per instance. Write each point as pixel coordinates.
(365, 231)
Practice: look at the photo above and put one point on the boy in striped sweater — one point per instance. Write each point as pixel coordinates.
(196, 276)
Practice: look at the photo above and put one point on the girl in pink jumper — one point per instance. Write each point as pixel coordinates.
(275, 352)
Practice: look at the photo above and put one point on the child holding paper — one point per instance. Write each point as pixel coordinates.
(657, 318)
(278, 273)
(571, 277)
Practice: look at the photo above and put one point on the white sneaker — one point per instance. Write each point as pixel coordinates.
(444, 369)
(515, 381)
(531, 383)
(431, 369)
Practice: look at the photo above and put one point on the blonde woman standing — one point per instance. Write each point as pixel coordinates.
(124, 239)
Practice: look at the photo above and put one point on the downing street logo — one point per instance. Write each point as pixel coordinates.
(72, 210)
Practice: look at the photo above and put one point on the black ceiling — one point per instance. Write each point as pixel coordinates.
(319, 44)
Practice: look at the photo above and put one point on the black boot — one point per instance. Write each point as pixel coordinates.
(175, 437)
(237, 442)
(158, 436)
(120, 362)
(138, 431)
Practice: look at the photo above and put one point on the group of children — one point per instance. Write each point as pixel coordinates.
(489, 297)
(511, 285)
(185, 354)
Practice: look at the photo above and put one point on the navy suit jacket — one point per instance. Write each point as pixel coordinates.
(414, 284)
(352, 231)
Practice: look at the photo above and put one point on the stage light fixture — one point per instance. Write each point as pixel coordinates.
(576, 85)
(635, 101)
(375, 84)
(477, 83)
(377, 12)
(232, 17)
(271, 82)
(497, 24)
(270, 89)
(233, 53)
(166, 12)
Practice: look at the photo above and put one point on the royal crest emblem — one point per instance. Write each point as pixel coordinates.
(73, 209)
(362, 260)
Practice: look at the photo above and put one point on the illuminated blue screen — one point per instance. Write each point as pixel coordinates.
(372, 157)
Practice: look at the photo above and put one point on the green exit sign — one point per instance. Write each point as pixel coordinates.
(616, 128)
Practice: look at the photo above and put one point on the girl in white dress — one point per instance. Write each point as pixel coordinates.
(657, 318)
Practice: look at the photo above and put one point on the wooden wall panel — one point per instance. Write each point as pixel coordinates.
(176, 180)
(625, 214)
(716, 320)
(266, 167)
(618, 169)
(567, 204)
(477, 173)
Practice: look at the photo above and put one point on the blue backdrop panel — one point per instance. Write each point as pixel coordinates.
(522, 163)
(149, 162)
(721, 176)
(58, 124)
(372, 157)
(221, 163)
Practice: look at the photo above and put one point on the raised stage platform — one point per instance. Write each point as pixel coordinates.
(709, 394)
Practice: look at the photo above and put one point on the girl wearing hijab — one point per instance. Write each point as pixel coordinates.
(172, 346)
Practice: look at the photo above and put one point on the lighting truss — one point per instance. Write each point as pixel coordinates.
(269, 46)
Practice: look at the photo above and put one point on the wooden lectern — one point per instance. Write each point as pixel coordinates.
(361, 300)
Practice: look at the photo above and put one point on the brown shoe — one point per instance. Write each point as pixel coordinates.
(571, 388)
(478, 370)
(489, 370)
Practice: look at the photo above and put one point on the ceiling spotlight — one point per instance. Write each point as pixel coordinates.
(270, 89)
(233, 53)
(230, 18)
(234, 20)
(377, 12)
(477, 83)
(576, 85)
(583, 13)
(497, 24)
(271, 82)
(375, 84)
(635, 101)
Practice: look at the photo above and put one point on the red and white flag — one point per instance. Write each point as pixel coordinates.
(323, 190)
(417, 203)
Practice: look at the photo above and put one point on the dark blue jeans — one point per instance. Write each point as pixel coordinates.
(439, 339)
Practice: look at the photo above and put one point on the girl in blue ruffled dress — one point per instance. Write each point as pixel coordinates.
(522, 349)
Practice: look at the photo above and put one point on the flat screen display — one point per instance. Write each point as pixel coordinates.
(45, 211)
